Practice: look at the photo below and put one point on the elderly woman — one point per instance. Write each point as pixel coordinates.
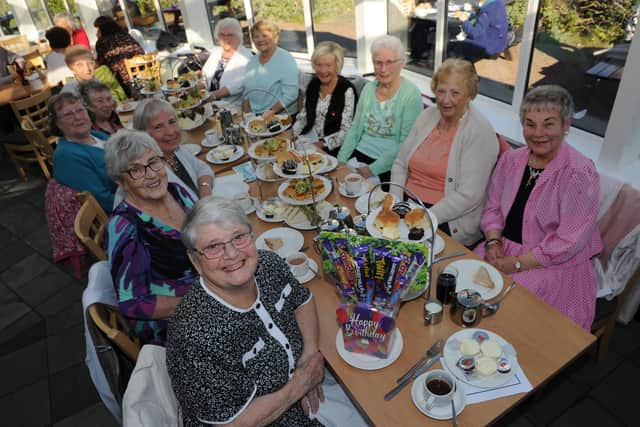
(78, 35)
(262, 366)
(271, 79)
(114, 44)
(225, 69)
(540, 218)
(158, 118)
(447, 159)
(99, 101)
(149, 264)
(78, 161)
(387, 109)
(80, 61)
(330, 100)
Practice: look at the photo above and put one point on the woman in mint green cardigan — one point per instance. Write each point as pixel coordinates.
(387, 108)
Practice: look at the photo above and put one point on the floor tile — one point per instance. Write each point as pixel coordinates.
(12, 249)
(28, 407)
(94, 416)
(554, 399)
(23, 367)
(62, 299)
(38, 239)
(12, 307)
(66, 349)
(626, 338)
(22, 218)
(587, 412)
(45, 286)
(24, 271)
(515, 418)
(71, 391)
(26, 331)
(614, 394)
(69, 316)
(586, 370)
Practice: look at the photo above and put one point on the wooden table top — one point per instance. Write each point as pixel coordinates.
(545, 340)
(13, 92)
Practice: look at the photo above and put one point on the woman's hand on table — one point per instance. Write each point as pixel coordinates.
(493, 253)
(506, 264)
(365, 171)
(308, 377)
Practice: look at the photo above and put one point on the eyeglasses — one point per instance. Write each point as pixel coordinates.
(70, 114)
(387, 64)
(140, 171)
(216, 250)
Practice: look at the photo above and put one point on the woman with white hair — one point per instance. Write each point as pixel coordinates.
(224, 70)
(158, 118)
(78, 35)
(330, 100)
(387, 109)
(149, 264)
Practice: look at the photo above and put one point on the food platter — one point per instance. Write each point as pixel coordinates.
(404, 230)
(317, 162)
(261, 175)
(223, 154)
(196, 103)
(287, 188)
(265, 149)
(126, 106)
(189, 124)
(256, 127)
(287, 239)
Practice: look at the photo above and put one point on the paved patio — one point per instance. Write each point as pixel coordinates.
(44, 381)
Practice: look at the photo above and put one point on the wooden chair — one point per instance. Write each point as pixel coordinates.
(42, 149)
(143, 66)
(90, 224)
(34, 108)
(111, 322)
(35, 59)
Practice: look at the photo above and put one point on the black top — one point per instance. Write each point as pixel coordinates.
(513, 223)
(333, 119)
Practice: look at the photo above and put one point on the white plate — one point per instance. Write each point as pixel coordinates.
(205, 142)
(148, 92)
(275, 218)
(466, 268)
(452, 353)
(164, 88)
(442, 412)
(293, 240)
(320, 196)
(130, 106)
(252, 150)
(190, 107)
(439, 246)
(362, 203)
(366, 362)
(364, 189)
(192, 124)
(239, 151)
(404, 230)
(261, 177)
(301, 172)
(313, 269)
(192, 148)
(332, 163)
(228, 186)
(267, 133)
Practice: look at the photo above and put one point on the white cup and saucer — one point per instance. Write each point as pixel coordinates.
(433, 391)
(212, 138)
(302, 267)
(353, 186)
(246, 202)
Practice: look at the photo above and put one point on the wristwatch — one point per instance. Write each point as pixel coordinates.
(518, 265)
(204, 184)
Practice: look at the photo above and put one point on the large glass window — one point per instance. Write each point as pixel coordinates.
(143, 16)
(38, 14)
(581, 46)
(414, 22)
(219, 9)
(289, 16)
(7, 21)
(334, 20)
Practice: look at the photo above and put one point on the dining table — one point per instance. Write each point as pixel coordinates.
(545, 340)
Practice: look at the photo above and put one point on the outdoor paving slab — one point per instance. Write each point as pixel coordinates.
(28, 407)
(24, 271)
(626, 338)
(21, 217)
(26, 331)
(39, 240)
(613, 393)
(12, 307)
(71, 391)
(62, 299)
(23, 367)
(12, 249)
(68, 316)
(94, 416)
(66, 349)
(587, 412)
(553, 400)
(515, 418)
(586, 370)
(44, 286)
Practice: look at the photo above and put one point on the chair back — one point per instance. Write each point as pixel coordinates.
(16, 43)
(35, 59)
(145, 67)
(37, 138)
(34, 108)
(90, 224)
(111, 322)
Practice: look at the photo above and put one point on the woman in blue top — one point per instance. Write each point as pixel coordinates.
(387, 108)
(271, 80)
(78, 161)
(487, 32)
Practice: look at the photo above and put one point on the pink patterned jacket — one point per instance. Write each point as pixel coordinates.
(559, 227)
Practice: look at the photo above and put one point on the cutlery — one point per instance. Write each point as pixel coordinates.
(453, 414)
(494, 306)
(431, 352)
(422, 369)
(453, 255)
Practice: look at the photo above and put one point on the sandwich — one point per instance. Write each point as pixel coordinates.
(483, 278)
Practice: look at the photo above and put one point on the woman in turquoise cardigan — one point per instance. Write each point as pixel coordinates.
(387, 108)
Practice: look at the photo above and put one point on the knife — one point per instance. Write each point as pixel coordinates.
(422, 369)
(453, 255)
(435, 349)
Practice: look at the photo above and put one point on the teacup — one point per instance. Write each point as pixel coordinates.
(212, 136)
(353, 183)
(298, 263)
(244, 200)
(438, 388)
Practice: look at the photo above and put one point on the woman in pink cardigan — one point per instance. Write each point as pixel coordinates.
(540, 217)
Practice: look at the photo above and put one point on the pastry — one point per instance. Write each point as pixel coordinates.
(387, 223)
(387, 204)
(268, 171)
(417, 218)
(401, 208)
(483, 278)
(486, 366)
(469, 347)
(274, 243)
(491, 348)
(257, 126)
(289, 167)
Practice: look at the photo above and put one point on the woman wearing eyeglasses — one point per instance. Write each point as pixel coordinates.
(149, 264)
(387, 109)
(242, 346)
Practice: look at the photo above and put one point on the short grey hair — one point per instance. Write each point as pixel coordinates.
(125, 146)
(389, 42)
(86, 88)
(211, 210)
(64, 17)
(232, 23)
(326, 48)
(148, 109)
(548, 97)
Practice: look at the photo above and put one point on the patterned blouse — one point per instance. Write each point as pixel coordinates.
(147, 259)
(220, 358)
(111, 51)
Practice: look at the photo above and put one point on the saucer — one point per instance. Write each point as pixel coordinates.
(261, 215)
(342, 189)
(205, 142)
(366, 362)
(437, 412)
(313, 266)
(252, 208)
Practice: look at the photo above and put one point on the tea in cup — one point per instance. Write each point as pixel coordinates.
(298, 264)
(353, 183)
(438, 388)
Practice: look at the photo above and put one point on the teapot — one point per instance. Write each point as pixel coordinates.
(468, 308)
(226, 119)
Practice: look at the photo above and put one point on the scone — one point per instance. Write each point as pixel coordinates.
(486, 366)
(491, 348)
(469, 347)
(387, 223)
